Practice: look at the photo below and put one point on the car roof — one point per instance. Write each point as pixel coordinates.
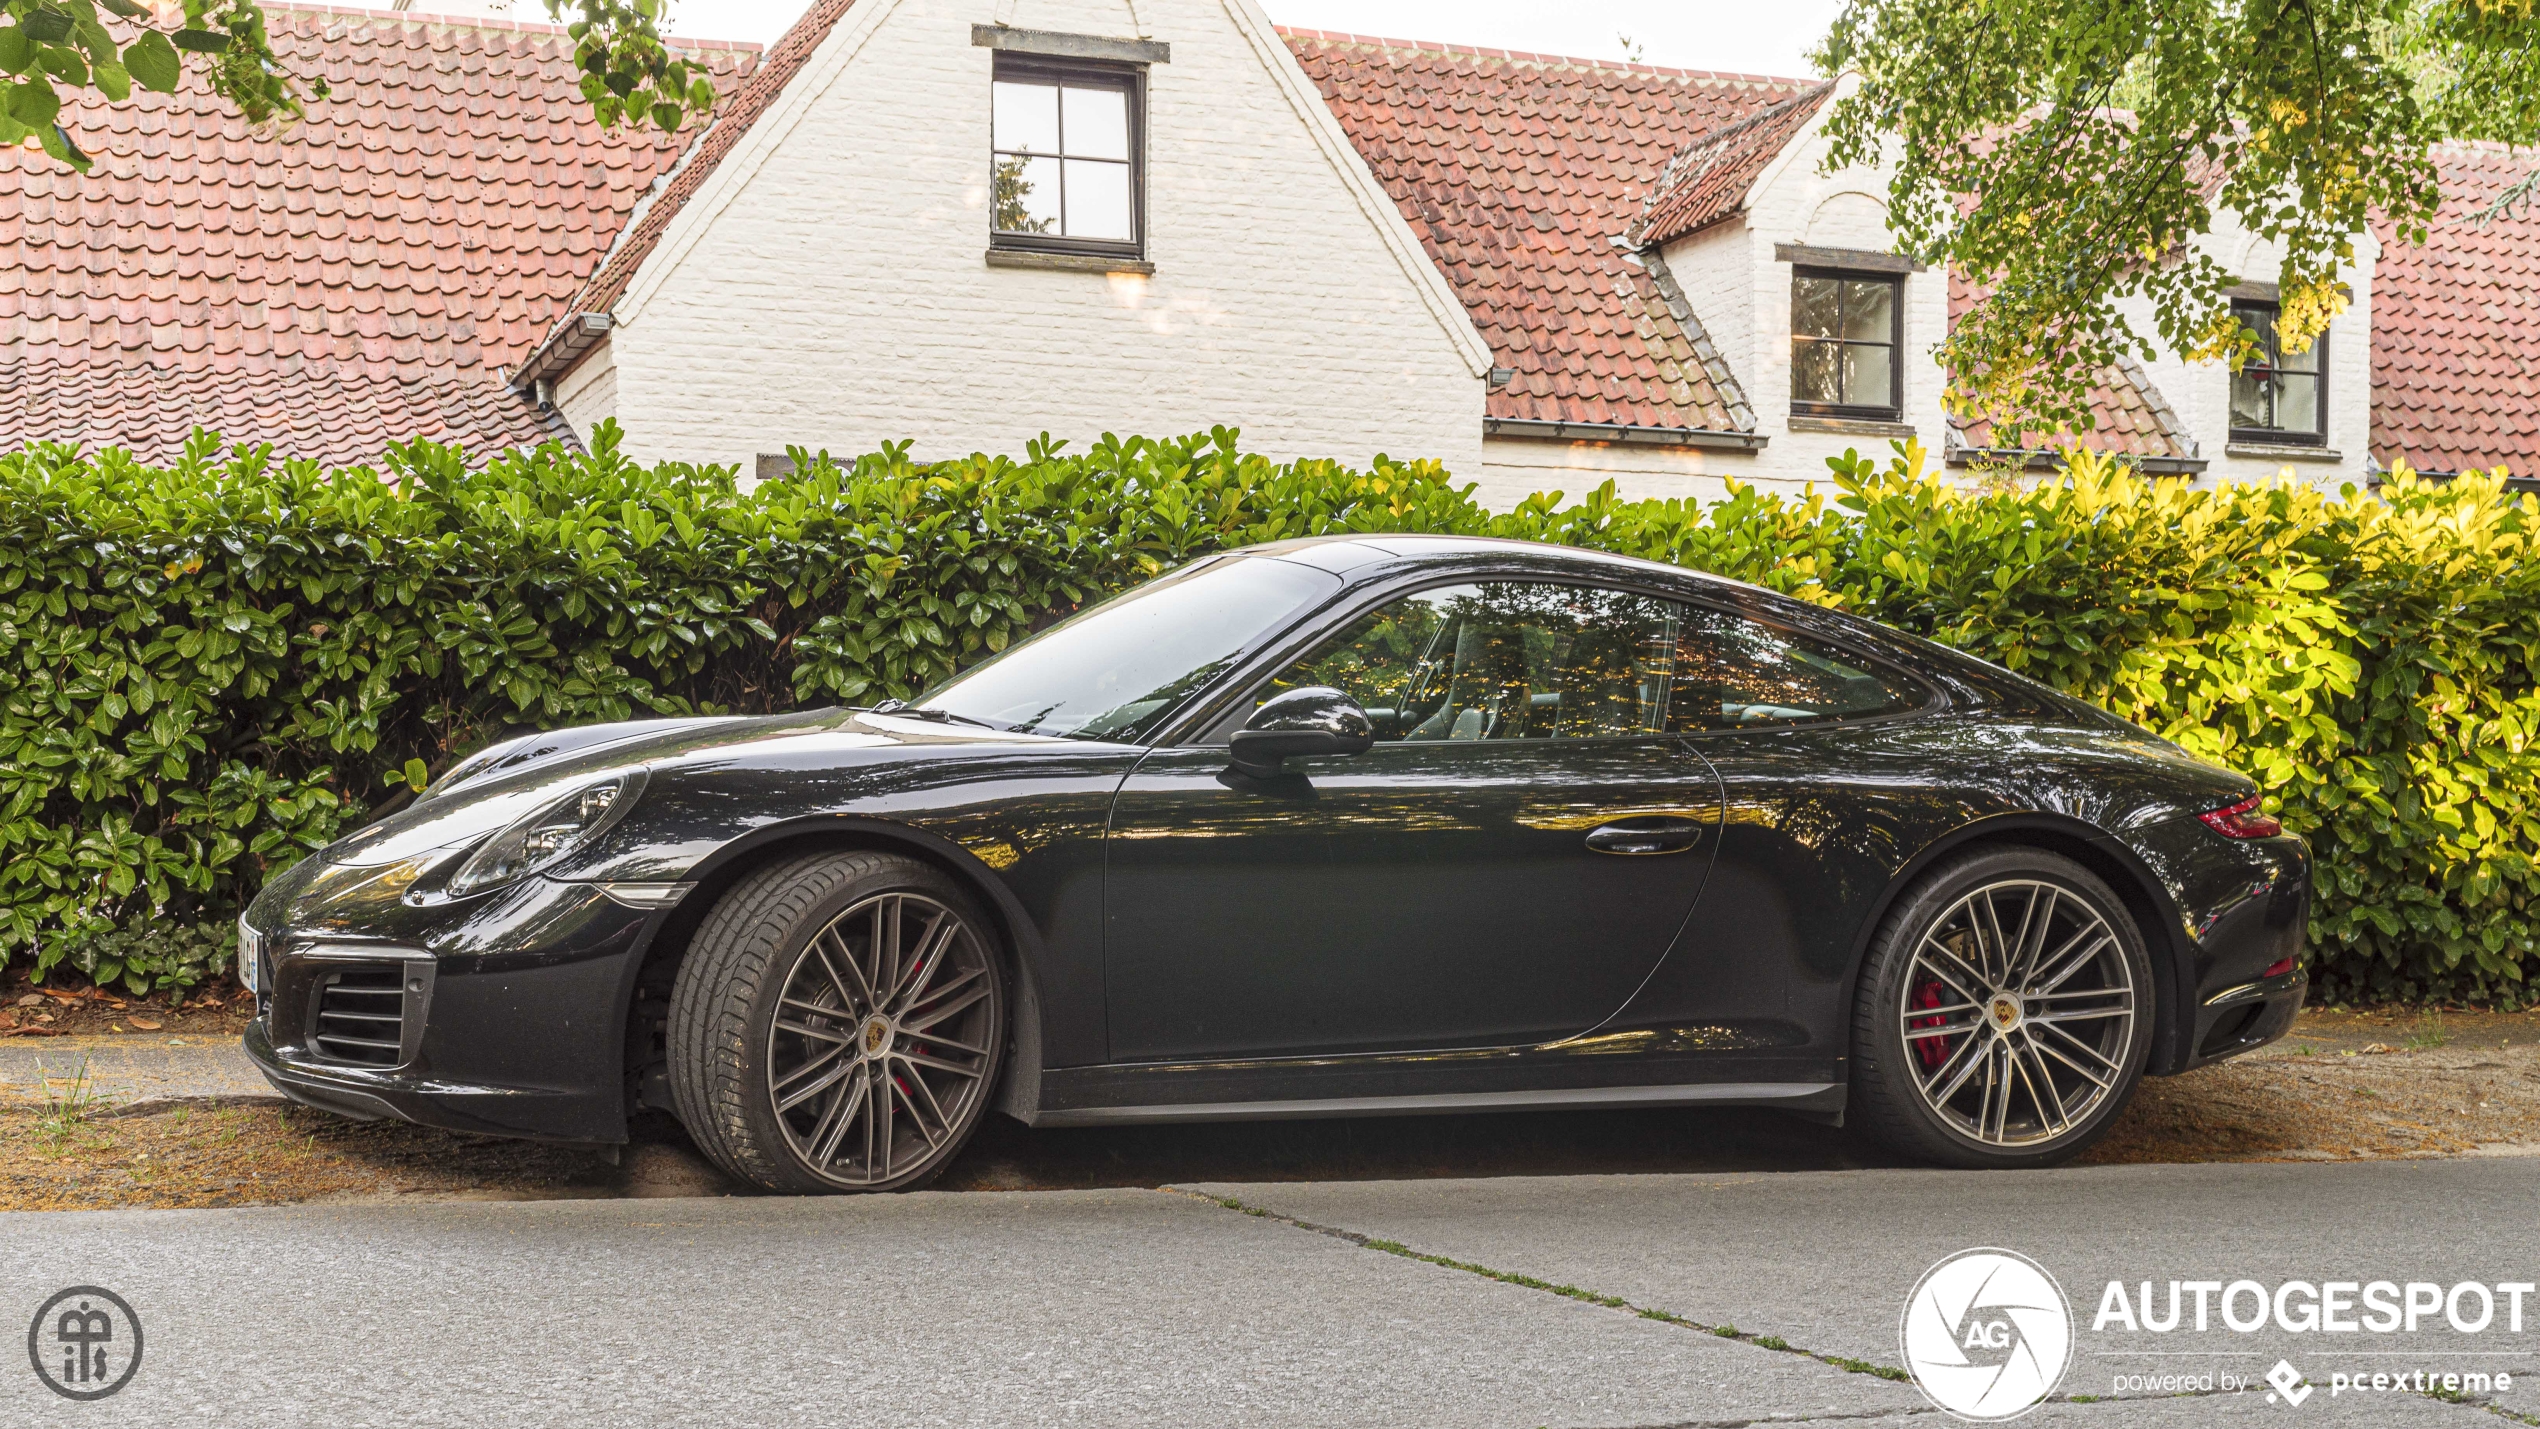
(1346, 555)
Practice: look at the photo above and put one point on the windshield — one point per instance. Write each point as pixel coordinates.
(1120, 669)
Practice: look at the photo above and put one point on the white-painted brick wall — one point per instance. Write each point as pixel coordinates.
(836, 296)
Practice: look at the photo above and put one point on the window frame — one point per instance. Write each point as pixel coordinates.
(1019, 67)
(1894, 408)
(1210, 721)
(2272, 360)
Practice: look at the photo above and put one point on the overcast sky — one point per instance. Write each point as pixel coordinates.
(1757, 38)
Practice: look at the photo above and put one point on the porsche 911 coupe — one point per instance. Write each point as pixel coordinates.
(1359, 826)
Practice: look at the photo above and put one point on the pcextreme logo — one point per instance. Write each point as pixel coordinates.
(1987, 1334)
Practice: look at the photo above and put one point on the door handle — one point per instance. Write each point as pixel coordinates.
(1645, 835)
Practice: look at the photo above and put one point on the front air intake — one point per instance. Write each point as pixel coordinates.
(361, 1015)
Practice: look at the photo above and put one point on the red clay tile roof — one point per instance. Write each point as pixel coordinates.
(2128, 413)
(359, 280)
(1519, 172)
(2456, 327)
(1708, 180)
(783, 61)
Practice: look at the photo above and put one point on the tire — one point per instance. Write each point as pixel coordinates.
(1952, 1074)
(879, 1067)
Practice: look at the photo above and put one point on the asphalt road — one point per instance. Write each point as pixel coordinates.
(1135, 1307)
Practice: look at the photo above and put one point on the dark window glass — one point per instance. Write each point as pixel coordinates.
(1733, 673)
(1843, 336)
(1503, 660)
(1528, 660)
(2278, 396)
(1120, 669)
(1066, 147)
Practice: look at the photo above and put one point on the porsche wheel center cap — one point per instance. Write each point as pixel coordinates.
(2005, 1012)
(876, 1036)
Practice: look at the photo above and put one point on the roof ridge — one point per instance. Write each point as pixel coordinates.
(482, 22)
(1713, 76)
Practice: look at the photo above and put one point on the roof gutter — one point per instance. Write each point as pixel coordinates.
(564, 346)
(2031, 459)
(1702, 437)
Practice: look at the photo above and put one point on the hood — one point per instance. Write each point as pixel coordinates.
(493, 787)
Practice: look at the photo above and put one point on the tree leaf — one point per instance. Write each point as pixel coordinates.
(153, 63)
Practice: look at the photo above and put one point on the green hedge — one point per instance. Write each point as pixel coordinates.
(216, 665)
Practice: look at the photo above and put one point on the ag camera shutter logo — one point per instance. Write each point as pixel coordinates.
(1987, 1334)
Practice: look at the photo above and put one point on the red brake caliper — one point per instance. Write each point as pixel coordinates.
(1933, 1051)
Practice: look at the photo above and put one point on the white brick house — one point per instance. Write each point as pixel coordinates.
(1543, 272)
(963, 223)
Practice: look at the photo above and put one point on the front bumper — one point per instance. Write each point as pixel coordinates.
(512, 1018)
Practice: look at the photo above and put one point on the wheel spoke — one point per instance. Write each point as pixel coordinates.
(2123, 1007)
(920, 1022)
(1989, 939)
(805, 1029)
(1966, 1059)
(2098, 939)
(880, 1119)
(1951, 969)
(917, 1115)
(858, 998)
(2086, 1074)
(924, 1059)
(833, 1124)
(2094, 1054)
(931, 947)
(2041, 1078)
(828, 1057)
(2034, 931)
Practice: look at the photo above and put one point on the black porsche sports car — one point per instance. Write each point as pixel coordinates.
(1336, 827)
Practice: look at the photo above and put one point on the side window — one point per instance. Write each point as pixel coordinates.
(1503, 660)
(1733, 673)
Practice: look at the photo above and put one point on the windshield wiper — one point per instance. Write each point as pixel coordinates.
(903, 707)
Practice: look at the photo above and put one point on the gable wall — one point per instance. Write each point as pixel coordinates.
(836, 295)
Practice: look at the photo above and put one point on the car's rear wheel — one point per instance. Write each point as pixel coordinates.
(838, 1024)
(2004, 1013)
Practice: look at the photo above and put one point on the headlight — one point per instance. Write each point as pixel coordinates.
(545, 835)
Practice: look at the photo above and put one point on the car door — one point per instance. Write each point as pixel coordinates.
(1505, 866)
(1826, 781)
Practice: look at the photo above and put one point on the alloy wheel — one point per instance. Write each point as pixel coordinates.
(880, 1046)
(2018, 1013)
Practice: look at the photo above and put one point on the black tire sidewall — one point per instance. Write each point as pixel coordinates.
(1883, 1080)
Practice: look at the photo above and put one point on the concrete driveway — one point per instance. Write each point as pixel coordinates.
(1137, 1307)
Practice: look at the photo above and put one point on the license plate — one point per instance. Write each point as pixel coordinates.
(250, 950)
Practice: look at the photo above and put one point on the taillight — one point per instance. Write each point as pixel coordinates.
(2278, 968)
(2242, 821)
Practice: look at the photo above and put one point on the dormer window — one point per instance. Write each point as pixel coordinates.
(1845, 329)
(2277, 397)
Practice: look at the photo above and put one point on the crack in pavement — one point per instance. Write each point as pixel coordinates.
(1731, 1332)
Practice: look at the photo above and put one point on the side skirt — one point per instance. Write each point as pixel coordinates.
(1824, 1100)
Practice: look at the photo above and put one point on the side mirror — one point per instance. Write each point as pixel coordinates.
(1298, 723)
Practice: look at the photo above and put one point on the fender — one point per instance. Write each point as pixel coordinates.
(2155, 912)
(1020, 1095)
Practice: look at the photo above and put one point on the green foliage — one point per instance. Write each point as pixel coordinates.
(2064, 153)
(211, 668)
(627, 72)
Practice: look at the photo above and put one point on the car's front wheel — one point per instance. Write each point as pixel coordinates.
(837, 1024)
(2004, 1013)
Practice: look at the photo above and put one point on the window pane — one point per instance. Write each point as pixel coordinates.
(1026, 194)
(1117, 670)
(1097, 200)
(1026, 117)
(2307, 360)
(2250, 394)
(1869, 311)
(1815, 371)
(1502, 661)
(1097, 123)
(1814, 306)
(2297, 402)
(1866, 376)
(1732, 673)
